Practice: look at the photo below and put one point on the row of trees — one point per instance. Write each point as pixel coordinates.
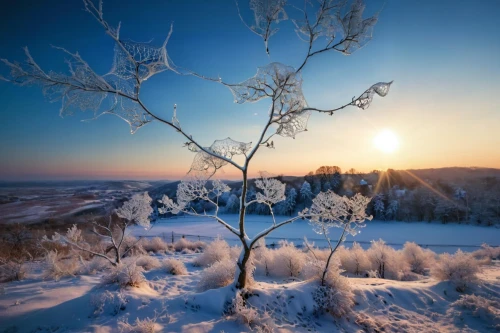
(394, 196)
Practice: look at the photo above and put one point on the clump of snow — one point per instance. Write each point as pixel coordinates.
(147, 325)
(174, 267)
(218, 275)
(459, 268)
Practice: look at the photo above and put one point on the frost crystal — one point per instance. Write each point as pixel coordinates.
(267, 12)
(207, 164)
(364, 101)
(273, 190)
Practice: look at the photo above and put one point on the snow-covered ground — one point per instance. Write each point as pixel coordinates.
(82, 304)
(437, 237)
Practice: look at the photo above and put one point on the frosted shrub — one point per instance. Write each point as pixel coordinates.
(218, 275)
(108, 303)
(174, 267)
(184, 244)
(460, 268)
(386, 261)
(133, 246)
(155, 244)
(147, 325)
(313, 269)
(147, 262)
(417, 258)
(125, 274)
(355, 260)
(216, 251)
(487, 253)
(12, 271)
(56, 267)
(244, 313)
(487, 310)
(262, 258)
(288, 261)
(95, 265)
(336, 296)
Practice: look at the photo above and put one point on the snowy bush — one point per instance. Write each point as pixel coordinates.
(132, 246)
(313, 269)
(354, 260)
(216, 251)
(336, 296)
(174, 267)
(147, 262)
(147, 325)
(95, 265)
(388, 263)
(57, 267)
(12, 271)
(218, 275)
(184, 244)
(108, 303)
(459, 268)
(244, 313)
(487, 310)
(125, 274)
(288, 261)
(155, 244)
(487, 253)
(417, 258)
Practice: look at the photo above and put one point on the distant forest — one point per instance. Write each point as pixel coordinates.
(462, 195)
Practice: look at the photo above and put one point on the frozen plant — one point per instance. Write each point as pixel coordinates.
(174, 267)
(184, 244)
(155, 244)
(324, 25)
(288, 261)
(216, 251)
(418, 258)
(488, 310)
(147, 262)
(218, 275)
(12, 270)
(127, 273)
(57, 267)
(134, 211)
(330, 210)
(108, 302)
(460, 268)
(355, 260)
(387, 262)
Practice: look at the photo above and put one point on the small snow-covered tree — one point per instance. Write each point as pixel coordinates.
(291, 201)
(331, 210)
(306, 192)
(134, 211)
(324, 25)
(378, 206)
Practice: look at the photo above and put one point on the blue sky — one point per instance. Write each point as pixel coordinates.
(442, 55)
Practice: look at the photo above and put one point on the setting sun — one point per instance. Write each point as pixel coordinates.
(386, 141)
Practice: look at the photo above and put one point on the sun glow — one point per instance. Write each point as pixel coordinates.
(386, 141)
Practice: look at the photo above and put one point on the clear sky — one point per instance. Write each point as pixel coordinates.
(444, 57)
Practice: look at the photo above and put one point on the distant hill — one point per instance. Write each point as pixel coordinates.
(455, 174)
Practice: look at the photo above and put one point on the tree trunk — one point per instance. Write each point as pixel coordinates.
(241, 278)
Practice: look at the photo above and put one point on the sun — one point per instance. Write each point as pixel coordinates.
(386, 141)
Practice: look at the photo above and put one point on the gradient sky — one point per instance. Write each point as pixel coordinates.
(444, 57)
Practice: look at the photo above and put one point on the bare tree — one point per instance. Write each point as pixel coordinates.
(134, 211)
(324, 25)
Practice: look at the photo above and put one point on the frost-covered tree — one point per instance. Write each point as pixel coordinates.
(331, 210)
(291, 201)
(324, 25)
(306, 192)
(137, 211)
(378, 206)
